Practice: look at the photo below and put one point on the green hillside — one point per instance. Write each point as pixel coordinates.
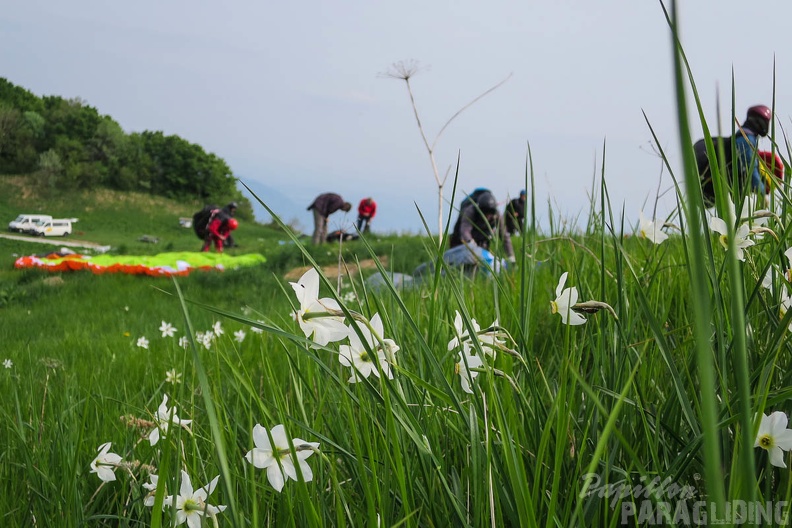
(62, 145)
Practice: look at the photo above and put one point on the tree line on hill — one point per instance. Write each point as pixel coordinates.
(65, 144)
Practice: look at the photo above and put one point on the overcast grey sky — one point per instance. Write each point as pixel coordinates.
(288, 93)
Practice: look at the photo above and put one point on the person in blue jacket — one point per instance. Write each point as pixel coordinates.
(746, 141)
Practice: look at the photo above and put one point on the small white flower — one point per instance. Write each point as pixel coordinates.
(462, 336)
(774, 437)
(205, 338)
(105, 464)
(463, 368)
(565, 299)
(277, 458)
(173, 377)
(142, 342)
(650, 231)
(317, 326)
(257, 330)
(239, 336)
(7, 363)
(151, 486)
(184, 342)
(191, 505)
(217, 329)
(740, 236)
(167, 329)
(489, 341)
(356, 355)
(348, 297)
(164, 417)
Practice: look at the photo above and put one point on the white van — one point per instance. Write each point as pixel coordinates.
(54, 227)
(26, 222)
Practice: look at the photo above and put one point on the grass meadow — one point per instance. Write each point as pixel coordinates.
(646, 414)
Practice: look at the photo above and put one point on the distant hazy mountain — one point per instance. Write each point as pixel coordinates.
(283, 206)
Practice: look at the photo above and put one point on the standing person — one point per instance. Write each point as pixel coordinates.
(323, 206)
(746, 140)
(515, 214)
(366, 211)
(757, 123)
(220, 227)
(478, 222)
(230, 211)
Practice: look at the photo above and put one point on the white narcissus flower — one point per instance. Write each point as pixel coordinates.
(7, 363)
(276, 456)
(217, 329)
(767, 280)
(257, 330)
(191, 505)
(463, 368)
(489, 341)
(565, 299)
(142, 342)
(173, 377)
(650, 231)
(105, 464)
(205, 338)
(321, 329)
(460, 331)
(774, 437)
(164, 417)
(239, 336)
(356, 355)
(151, 486)
(167, 329)
(740, 236)
(184, 342)
(786, 304)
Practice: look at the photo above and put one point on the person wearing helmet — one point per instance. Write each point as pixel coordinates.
(478, 223)
(746, 141)
(220, 228)
(230, 211)
(515, 214)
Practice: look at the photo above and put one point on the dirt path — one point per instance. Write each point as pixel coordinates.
(57, 241)
(332, 272)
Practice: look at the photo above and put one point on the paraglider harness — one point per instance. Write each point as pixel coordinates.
(204, 217)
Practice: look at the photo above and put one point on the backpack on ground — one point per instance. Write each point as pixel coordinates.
(202, 218)
(703, 164)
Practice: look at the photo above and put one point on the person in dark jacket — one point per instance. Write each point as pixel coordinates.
(323, 206)
(478, 224)
(515, 214)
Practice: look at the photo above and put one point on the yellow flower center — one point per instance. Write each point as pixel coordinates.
(724, 240)
(553, 307)
(766, 441)
(191, 505)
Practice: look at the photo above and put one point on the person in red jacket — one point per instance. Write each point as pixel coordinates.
(220, 228)
(366, 211)
(323, 206)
